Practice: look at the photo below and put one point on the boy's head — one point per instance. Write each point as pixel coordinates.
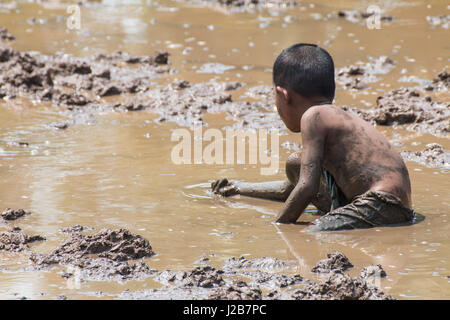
(303, 75)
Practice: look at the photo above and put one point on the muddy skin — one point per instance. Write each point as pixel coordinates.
(359, 75)
(409, 109)
(433, 156)
(15, 240)
(13, 214)
(265, 283)
(274, 190)
(5, 35)
(77, 82)
(358, 16)
(270, 190)
(102, 256)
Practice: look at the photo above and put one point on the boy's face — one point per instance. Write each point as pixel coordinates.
(287, 111)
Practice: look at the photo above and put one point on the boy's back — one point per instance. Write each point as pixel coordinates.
(358, 156)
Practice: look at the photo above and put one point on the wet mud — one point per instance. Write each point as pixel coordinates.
(181, 101)
(358, 76)
(75, 229)
(440, 83)
(373, 271)
(102, 256)
(336, 286)
(261, 278)
(265, 263)
(13, 214)
(15, 240)
(410, 109)
(335, 261)
(433, 156)
(76, 82)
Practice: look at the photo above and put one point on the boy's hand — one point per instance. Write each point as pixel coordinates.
(224, 187)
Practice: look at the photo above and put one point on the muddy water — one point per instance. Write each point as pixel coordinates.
(115, 170)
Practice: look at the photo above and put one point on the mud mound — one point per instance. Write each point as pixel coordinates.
(115, 245)
(79, 84)
(183, 102)
(206, 282)
(210, 283)
(102, 256)
(204, 276)
(15, 240)
(273, 280)
(337, 286)
(409, 109)
(434, 156)
(238, 290)
(5, 35)
(76, 82)
(335, 262)
(13, 214)
(359, 75)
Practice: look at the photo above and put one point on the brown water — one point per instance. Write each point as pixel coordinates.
(118, 173)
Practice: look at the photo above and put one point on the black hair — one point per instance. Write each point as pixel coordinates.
(307, 69)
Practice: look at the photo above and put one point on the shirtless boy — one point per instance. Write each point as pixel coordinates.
(347, 169)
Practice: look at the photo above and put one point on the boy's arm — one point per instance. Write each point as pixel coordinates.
(313, 138)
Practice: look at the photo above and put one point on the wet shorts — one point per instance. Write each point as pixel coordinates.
(371, 209)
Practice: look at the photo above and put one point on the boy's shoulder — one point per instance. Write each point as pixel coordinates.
(328, 113)
(321, 114)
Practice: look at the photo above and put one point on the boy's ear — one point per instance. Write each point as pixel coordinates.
(284, 93)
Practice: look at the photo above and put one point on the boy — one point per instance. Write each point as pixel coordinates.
(347, 168)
